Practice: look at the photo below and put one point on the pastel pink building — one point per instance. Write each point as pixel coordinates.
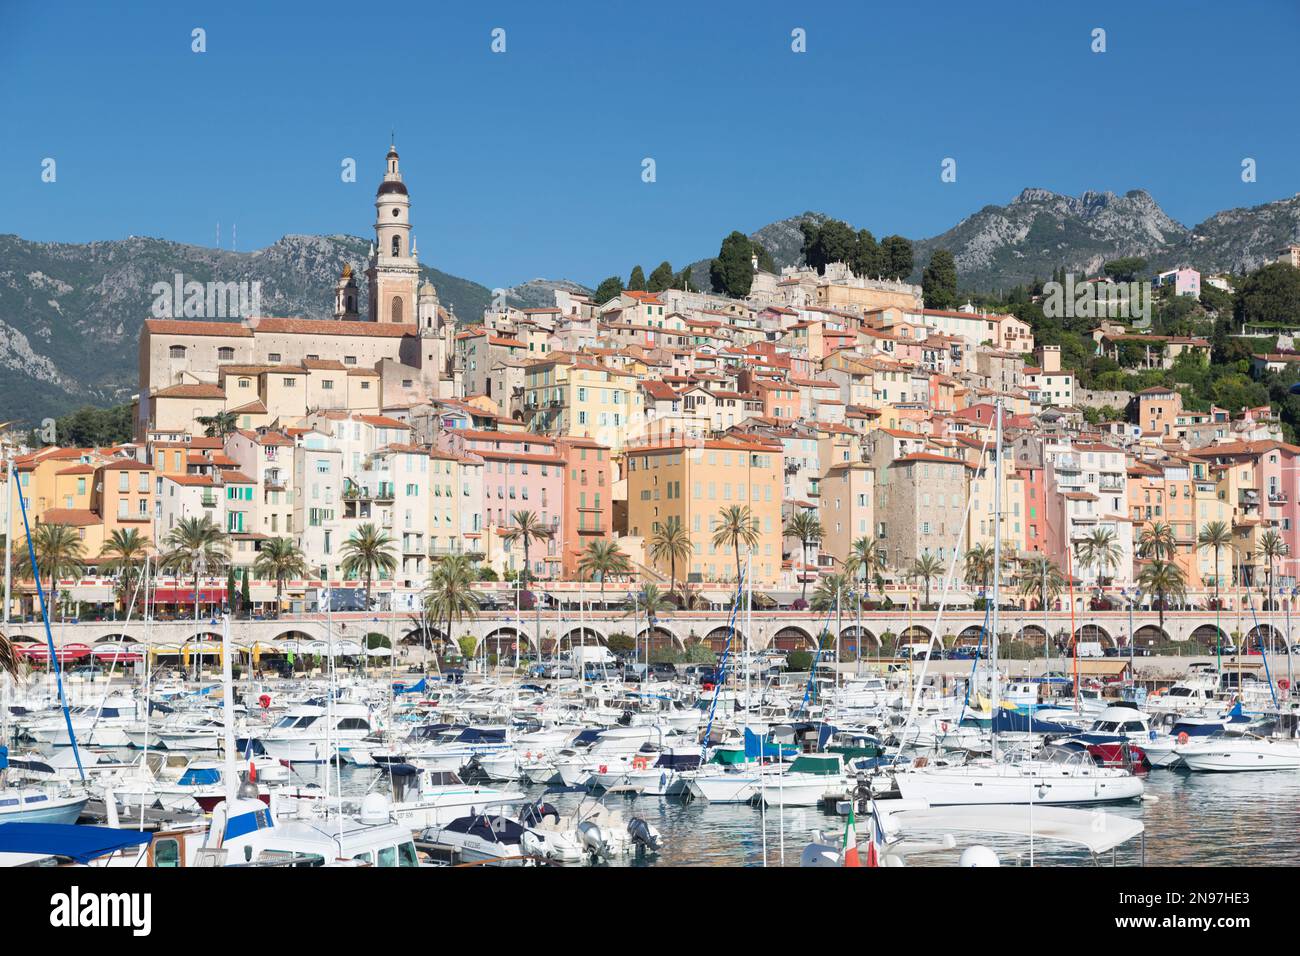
(521, 472)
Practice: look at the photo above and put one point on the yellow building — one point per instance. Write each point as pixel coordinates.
(573, 397)
(694, 483)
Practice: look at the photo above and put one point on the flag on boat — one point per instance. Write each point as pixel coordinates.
(850, 854)
(877, 839)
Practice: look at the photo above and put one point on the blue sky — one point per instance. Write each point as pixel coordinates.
(528, 163)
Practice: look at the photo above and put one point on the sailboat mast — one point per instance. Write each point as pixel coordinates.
(997, 570)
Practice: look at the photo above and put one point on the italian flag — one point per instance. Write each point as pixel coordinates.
(851, 844)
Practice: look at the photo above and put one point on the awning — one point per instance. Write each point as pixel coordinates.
(70, 840)
(118, 655)
(186, 595)
(716, 597)
(1103, 668)
(41, 652)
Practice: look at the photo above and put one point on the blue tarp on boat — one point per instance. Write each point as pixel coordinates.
(1011, 721)
(756, 746)
(417, 688)
(71, 840)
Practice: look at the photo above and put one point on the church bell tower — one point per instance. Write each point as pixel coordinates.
(394, 269)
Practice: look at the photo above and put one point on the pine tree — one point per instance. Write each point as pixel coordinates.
(607, 290)
(896, 256)
(661, 278)
(732, 272)
(939, 281)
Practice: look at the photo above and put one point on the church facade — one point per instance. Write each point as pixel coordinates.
(405, 335)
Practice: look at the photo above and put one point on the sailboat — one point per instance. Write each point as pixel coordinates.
(1063, 777)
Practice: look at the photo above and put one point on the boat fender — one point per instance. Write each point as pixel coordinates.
(1183, 738)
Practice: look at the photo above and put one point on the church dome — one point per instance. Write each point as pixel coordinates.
(391, 186)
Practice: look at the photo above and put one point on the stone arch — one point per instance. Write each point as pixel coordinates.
(503, 640)
(1093, 634)
(973, 634)
(914, 634)
(1265, 634)
(293, 634)
(659, 637)
(791, 637)
(1148, 633)
(716, 640)
(1210, 636)
(1032, 633)
(851, 640)
(117, 638)
(582, 635)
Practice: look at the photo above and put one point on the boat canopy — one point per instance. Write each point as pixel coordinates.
(79, 843)
(824, 764)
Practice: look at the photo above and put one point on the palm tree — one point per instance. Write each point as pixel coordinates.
(370, 549)
(603, 557)
(1157, 541)
(1271, 547)
(925, 567)
(450, 594)
(1215, 536)
(58, 550)
(1101, 550)
(670, 541)
(831, 591)
(1041, 578)
(123, 556)
(10, 662)
(803, 524)
(979, 567)
(865, 556)
(527, 528)
(219, 425)
(736, 523)
(280, 559)
(1164, 580)
(195, 545)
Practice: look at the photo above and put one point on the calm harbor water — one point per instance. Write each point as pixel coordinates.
(1198, 819)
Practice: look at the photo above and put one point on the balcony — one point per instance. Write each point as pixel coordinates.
(1248, 498)
(209, 501)
(1277, 497)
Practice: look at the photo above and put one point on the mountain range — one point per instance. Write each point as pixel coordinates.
(70, 314)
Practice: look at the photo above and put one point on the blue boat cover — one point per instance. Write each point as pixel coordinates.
(417, 688)
(756, 746)
(199, 777)
(1012, 721)
(71, 840)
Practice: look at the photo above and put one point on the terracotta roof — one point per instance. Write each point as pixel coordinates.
(199, 390)
(183, 327)
(383, 330)
(76, 517)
